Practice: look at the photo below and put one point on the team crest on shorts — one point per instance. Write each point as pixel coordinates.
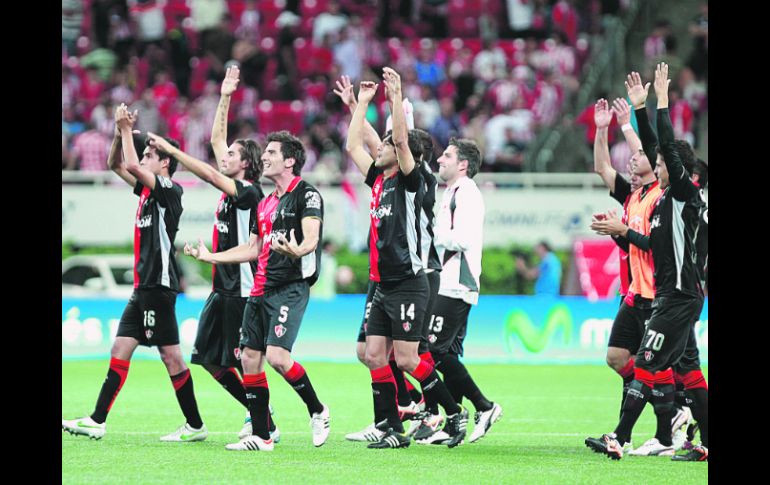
(407, 326)
(148, 334)
(648, 355)
(279, 330)
(432, 338)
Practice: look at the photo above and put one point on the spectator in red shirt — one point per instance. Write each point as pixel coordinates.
(165, 93)
(89, 151)
(586, 118)
(565, 19)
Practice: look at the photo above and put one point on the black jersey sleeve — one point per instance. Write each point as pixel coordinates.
(639, 240)
(647, 135)
(138, 188)
(682, 187)
(412, 181)
(372, 175)
(311, 204)
(621, 242)
(622, 189)
(167, 193)
(247, 195)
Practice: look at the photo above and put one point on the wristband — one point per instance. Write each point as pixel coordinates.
(627, 126)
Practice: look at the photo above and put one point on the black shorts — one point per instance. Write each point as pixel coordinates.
(434, 282)
(668, 331)
(448, 325)
(690, 361)
(367, 309)
(150, 317)
(275, 317)
(398, 309)
(219, 331)
(628, 327)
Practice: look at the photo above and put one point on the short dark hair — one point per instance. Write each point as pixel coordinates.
(547, 246)
(427, 144)
(701, 168)
(414, 140)
(291, 147)
(172, 162)
(467, 149)
(252, 153)
(685, 152)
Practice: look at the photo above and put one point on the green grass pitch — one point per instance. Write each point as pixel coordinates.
(547, 412)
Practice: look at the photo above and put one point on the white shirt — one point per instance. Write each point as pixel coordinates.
(464, 235)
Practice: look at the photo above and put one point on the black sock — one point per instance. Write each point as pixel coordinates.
(432, 385)
(700, 411)
(384, 396)
(663, 402)
(679, 398)
(300, 382)
(116, 376)
(638, 395)
(229, 379)
(258, 396)
(402, 395)
(626, 383)
(185, 395)
(460, 383)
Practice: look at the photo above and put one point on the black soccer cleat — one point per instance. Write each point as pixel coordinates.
(391, 439)
(699, 453)
(456, 426)
(596, 444)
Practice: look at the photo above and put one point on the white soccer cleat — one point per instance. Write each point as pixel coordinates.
(484, 421)
(370, 434)
(247, 431)
(440, 437)
(652, 447)
(251, 443)
(679, 439)
(84, 426)
(319, 423)
(186, 434)
(429, 425)
(682, 418)
(408, 412)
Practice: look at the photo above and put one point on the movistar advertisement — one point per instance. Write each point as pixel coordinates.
(511, 329)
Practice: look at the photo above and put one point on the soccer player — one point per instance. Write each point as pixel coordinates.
(284, 241)
(459, 240)
(628, 327)
(678, 291)
(149, 317)
(398, 307)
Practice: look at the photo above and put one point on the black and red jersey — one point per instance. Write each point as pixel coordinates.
(155, 228)
(395, 252)
(279, 216)
(675, 223)
(234, 218)
(426, 197)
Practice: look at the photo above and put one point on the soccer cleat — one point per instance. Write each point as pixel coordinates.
(598, 445)
(186, 433)
(429, 425)
(440, 437)
(421, 404)
(408, 412)
(84, 426)
(390, 438)
(682, 418)
(275, 433)
(319, 423)
(370, 433)
(611, 446)
(251, 443)
(698, 453)
(679, 439)
(484, 421)
(456, 426)
(653, 447)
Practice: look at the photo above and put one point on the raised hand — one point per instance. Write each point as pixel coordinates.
(345, 91)
(602, 115)
(661, 82)
(366, 91)
(392, 83)
(622, 111)
(124, 118)
(230, 83)
(159, 143)
(636, 92)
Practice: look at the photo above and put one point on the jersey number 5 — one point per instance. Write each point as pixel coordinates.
(284, 314)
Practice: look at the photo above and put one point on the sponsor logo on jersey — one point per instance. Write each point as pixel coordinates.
(285, 213)
(145, 221)
(407, 326)
(279, 330)
(381, 211)
(272, 217)
(222, 227)
(655, 222)
(312, 200)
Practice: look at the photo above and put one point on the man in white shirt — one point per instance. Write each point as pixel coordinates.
(458, 240)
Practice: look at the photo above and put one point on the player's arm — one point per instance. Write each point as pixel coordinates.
(602, 163)
(400, 132)
(468, 222)
(345, 92)
(311, 231)
(243, 253)
(682, 187)
(637, 93)
(115, 163)
(621, 242)
(611, 225)
(623, 114)
(219, 129)
(355, 142)
(202, 169)
(125, 123)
